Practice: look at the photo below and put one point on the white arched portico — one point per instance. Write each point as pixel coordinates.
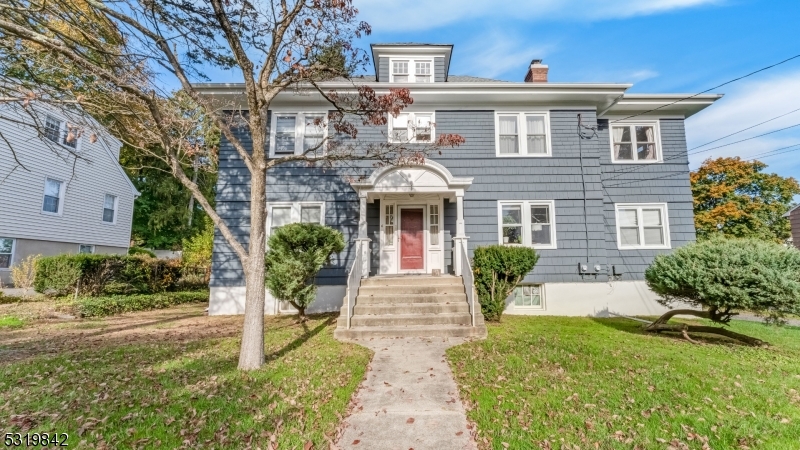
(412, 216)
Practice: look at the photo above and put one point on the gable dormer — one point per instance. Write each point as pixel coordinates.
(411, 63)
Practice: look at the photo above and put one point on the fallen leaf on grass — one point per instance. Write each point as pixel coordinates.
(356, 442)
(410, 420)
(308, 445)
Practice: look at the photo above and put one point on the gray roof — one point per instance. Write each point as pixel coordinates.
(789, 213)
(471, 79)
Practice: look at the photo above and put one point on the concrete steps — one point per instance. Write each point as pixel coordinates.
(410, 306)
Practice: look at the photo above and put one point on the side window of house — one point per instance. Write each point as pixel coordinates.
(53, 201)
(522, 134)
(110, 209)
(416, 127)
(86, 249)
(60, 132)
(632, 143)
(294, 134)
(529, 296)
(528, 223)
(280, 214)
(6, 252)
(642, 226)
(411, 71)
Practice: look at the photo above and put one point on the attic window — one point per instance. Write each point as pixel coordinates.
(411, 71)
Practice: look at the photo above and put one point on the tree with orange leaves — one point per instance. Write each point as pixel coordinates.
(735, 198)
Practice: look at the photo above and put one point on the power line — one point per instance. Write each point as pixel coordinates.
(745, 129)
(711, 89)
(747, 139)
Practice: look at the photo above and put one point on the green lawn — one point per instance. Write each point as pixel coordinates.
(10, 322)
(166, 379)
(557, 382)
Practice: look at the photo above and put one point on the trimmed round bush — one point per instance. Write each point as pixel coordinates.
(498, 270)
(722, 275)
(296, 254)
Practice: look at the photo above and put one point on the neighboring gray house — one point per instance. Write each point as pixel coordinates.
(51, 201)
(794, 219)
(560, 167)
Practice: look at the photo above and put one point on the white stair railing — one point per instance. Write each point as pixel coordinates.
(468, 278)
(354, 282)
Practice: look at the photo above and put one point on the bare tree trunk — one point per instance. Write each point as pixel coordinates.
(191, 198)
(661, 325)
(251, 355)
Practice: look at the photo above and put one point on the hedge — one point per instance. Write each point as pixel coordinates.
(95, 275)
(118, 304)
(498, 270)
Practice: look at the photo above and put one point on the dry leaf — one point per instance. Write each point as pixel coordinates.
(410, 420)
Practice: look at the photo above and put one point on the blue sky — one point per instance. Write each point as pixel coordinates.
(663, 46)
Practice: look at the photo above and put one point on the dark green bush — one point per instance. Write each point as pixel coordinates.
(498, 270)
(95, 275)
(118, 304)
(730, 274)
(296, 253)
(141, 251)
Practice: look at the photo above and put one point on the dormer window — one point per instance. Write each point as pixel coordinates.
(411, 71)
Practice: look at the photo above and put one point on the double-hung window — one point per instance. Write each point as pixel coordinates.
(635, 142)
(417, 127)
(280, 214)
(53, 202)
(297, 133)
(110, 209)
(528, 223)
(388, 226)
(61, 132)
(433, 224)
(522, 134)
(6, 252)
(411, 71)
(642, 226)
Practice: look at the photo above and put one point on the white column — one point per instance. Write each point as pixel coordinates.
(460, 238)
(362, 235)
(460, 217)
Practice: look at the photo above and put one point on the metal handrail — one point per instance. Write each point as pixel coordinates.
(469, 280)
(354, 282)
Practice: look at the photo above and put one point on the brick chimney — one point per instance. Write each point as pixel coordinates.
(537, 73)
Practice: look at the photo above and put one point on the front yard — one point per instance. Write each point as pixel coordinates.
(557, 382)
(168, 379)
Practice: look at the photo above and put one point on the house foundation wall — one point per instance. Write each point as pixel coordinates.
(229, 300)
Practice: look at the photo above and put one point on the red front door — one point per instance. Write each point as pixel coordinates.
(412, 239)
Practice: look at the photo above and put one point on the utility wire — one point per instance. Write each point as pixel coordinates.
(745, 129)
(711, 89)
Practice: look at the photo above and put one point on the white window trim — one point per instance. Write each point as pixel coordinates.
(639, 206)
(526, 222)
(299, 130)
(522, 134)
(13, 248)
(86, 245)
(647, 123)
(62, 134)
(295, 218)
(116, 209)
(61, 193)
(412, 118)
(541, 307)
(412, 68)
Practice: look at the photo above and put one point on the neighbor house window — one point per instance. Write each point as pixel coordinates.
(296, 133)
(53, 196)
(528, 223)
(642, 226)
(52, 129)
(86, 248)
(523, 134)
(388, 226)
(411, 71)
(6, 252)
(433, 223)
(280, 214)
(412, 128)
(110, 209)
(635, 142)
(60, 132)
(528, 296)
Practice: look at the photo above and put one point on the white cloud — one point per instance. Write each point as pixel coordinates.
(747, 104)
(494, 53)
(405, 15)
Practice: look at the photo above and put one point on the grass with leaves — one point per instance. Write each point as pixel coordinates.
(168, 379)
(559, 382)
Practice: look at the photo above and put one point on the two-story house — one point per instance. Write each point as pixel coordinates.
(794, 220)
(62, 189)
(593, 178)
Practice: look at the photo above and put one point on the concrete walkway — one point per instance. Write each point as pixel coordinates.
(408, 400)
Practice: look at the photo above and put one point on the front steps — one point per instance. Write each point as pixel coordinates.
(410, 306)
